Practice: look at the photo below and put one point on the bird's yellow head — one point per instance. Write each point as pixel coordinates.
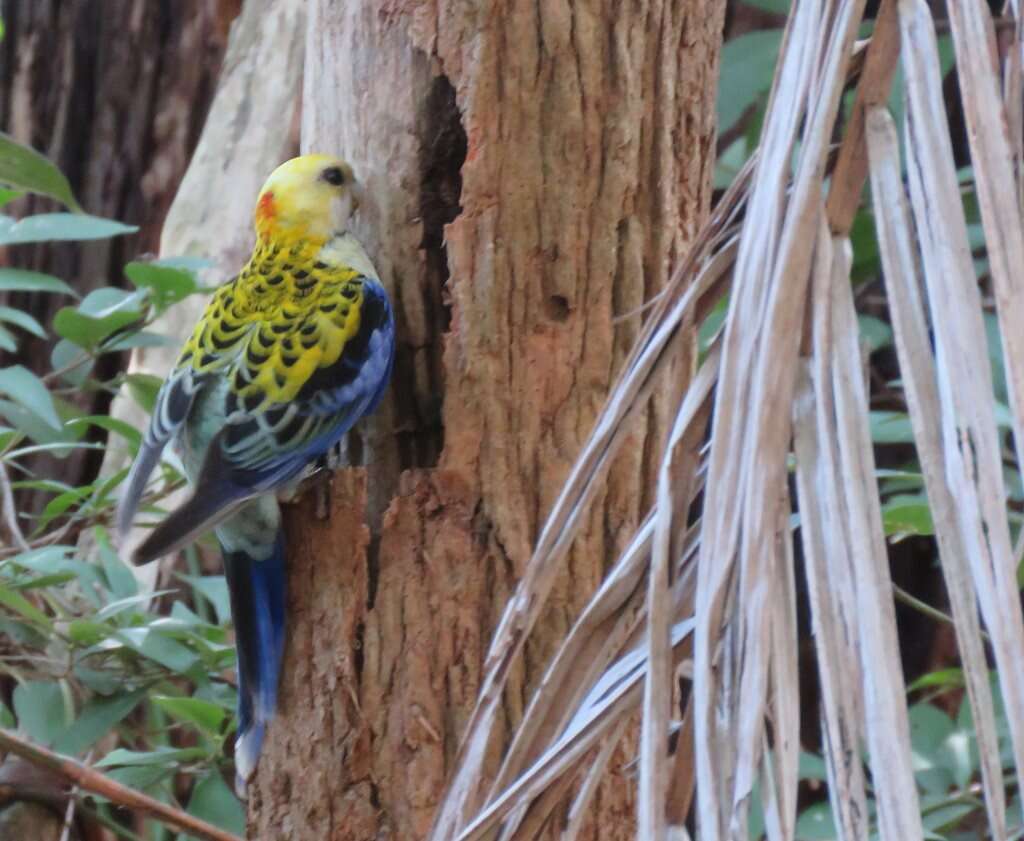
(309, 198)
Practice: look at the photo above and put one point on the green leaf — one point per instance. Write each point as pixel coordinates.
(141, 777)
(108, 299)
(143, 338)
(47, 485)
(712, 324)
(45, 581)
(866, 259)
(114, 425)
(118, 606)
(207, 715)
(19, 604)
(160, 756)
(875, 333)
(25, 388)
(816, 823)
(104, 487)
(104, 681)
(88, 331)
(60, 505)
(812, 767)
(729, 163)
(946, 679)
(747, 63)
(30, 424)
(6, 717)
(22, 633)
(159, 648)
(167, 284)
(960, 756)
(40, 710)
(23, 280)
(52, 227)
(904, 517)
(995, 355)
(7, 341)
(23, 168)
(929, 729)
(214, 589)
(98, 717)
(23, 320)
(54, 560)
(85, 632)
(120, 579)
(74, 363)
(48, 559)
(7, 196)
(143, 389)
(214, 802)
(891, 428)
(946, 817)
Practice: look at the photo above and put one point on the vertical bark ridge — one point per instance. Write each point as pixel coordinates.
(588, 134)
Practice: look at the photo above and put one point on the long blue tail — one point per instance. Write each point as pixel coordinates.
(258, 595)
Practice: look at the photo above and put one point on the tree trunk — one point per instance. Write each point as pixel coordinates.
(532, 172)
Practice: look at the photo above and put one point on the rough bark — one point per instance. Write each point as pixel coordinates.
(114, 92)
(532, 171)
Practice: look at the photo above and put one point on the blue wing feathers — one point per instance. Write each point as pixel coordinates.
(258, 601)
(326, 407)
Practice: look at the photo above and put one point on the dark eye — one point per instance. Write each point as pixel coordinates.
(334, 175)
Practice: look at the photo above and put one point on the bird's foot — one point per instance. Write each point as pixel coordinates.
(322, 490)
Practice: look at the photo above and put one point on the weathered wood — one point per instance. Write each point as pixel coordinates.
(531, 173)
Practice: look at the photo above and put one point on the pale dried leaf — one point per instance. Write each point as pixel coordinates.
(973, 460)
(992, 156)
(917, 365)
(887, 727)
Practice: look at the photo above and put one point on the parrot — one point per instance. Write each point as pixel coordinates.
(287, 356)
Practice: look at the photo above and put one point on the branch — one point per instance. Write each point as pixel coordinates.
(97, 783)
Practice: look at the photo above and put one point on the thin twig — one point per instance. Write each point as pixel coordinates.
(618, 319)
(69, 813)
(924, 608)
(10, 514)
(93, 781)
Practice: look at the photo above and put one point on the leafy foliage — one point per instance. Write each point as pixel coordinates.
(133, 681)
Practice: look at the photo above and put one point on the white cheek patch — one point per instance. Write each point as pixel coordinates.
(346, 251)
(341, 211)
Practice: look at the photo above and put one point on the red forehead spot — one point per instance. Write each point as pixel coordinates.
(265, 206)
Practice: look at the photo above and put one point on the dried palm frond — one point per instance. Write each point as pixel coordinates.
(713, 603)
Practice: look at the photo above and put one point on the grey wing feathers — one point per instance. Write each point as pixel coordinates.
(215, 498)
(173, 403)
